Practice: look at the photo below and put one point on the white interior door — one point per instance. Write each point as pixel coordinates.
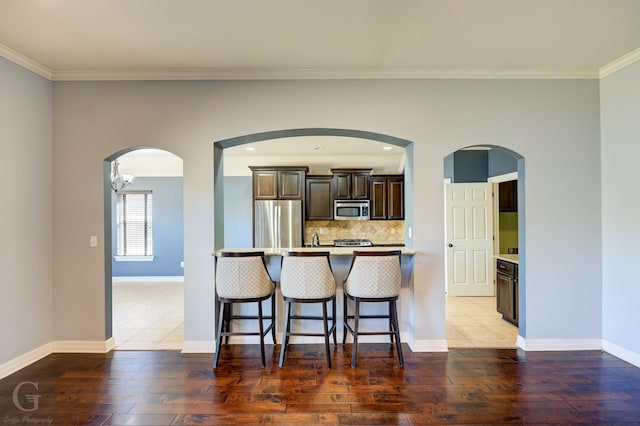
(469, 233)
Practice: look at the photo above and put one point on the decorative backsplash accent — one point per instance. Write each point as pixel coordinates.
(378, 231)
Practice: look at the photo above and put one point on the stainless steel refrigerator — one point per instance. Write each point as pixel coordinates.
(277, 223)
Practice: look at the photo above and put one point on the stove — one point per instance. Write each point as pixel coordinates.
(352, 242)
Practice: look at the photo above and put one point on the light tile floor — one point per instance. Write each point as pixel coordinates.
(473, 322)
(148, 315)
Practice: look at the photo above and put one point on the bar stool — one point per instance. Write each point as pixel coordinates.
(243, 278)
(374, 276)
(307, 277)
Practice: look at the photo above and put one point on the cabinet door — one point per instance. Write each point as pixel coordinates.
(508, 196)
(360, 186)
(265, 184)
(378, 198)
(319, 199)
(505, 296)
(290, 185)
(395, 198)
(342, 186)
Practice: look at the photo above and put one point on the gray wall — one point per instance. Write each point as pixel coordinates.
(26, 258)
(620, 112)
(500, 163)
(470, 166)
(168, 236)
(238, 210)
(531, 117)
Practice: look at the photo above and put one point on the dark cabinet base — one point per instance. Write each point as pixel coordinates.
(507, 290)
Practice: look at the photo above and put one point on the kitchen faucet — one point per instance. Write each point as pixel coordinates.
(315, 240)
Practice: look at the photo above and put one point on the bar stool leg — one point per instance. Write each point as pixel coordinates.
(345, 318)
(335, 332)
(261, 326)
(273, 317)
(285, 335)
(394, 312)
(354, 354)
(391, 321)
(219, 336)
(326, 333)
(228, 308)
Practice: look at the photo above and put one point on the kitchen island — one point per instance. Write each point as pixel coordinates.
(340, 259)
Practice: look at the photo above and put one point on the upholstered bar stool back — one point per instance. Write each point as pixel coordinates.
(374, 276)
(306, 277)
(242, 277)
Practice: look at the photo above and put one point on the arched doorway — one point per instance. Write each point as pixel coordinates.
(144, 250)
(485, 306)
(220, 146)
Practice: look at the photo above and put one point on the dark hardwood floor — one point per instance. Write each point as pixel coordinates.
(464, 386)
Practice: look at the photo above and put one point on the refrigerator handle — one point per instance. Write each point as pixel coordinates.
(277, 226)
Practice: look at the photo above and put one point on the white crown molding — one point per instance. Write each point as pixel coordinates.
(25, 62)
(319, 73)
(620, 63)
(326, 74)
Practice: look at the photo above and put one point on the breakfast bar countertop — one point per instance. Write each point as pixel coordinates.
(333, 251)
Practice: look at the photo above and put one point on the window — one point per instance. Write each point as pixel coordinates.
(134, 230)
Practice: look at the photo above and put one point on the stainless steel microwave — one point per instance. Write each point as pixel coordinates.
(351, 210)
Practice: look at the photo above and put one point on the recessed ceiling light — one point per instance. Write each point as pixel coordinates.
(250, 148)
(387, 148)
(318, 148)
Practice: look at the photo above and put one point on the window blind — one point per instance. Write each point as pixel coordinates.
(134, 223)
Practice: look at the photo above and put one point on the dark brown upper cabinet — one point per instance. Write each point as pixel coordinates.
(278, 183)
(508, 196)
(319, 198)
(351, 184)
(387, 197)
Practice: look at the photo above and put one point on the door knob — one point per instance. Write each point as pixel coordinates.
(450, 245)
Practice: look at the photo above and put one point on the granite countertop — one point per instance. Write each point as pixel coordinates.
(513, 258)
(333, 251)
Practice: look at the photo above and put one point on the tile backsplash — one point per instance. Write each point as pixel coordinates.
(378, 231)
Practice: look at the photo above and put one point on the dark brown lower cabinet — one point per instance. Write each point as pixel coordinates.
(507, 290)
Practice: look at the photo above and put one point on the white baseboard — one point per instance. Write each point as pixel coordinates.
(435, 345)
(110, 344)
(622, 353)
(559, 344)
(83, 346)
(147, 279)
(25, 359)
(198, 346)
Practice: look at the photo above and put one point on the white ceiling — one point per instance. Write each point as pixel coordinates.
(319, 153)
(245, 39)
(160, 39)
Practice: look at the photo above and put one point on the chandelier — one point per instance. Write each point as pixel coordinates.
(118, 181)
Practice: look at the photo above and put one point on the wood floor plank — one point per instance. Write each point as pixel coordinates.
(463, 386)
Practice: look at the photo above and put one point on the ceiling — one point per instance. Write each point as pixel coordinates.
(76, 40)
(319, 153)
(236, 39)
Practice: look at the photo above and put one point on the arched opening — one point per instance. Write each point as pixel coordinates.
(144, 294)
(226, 220)
(219, 177)
(485, 244)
